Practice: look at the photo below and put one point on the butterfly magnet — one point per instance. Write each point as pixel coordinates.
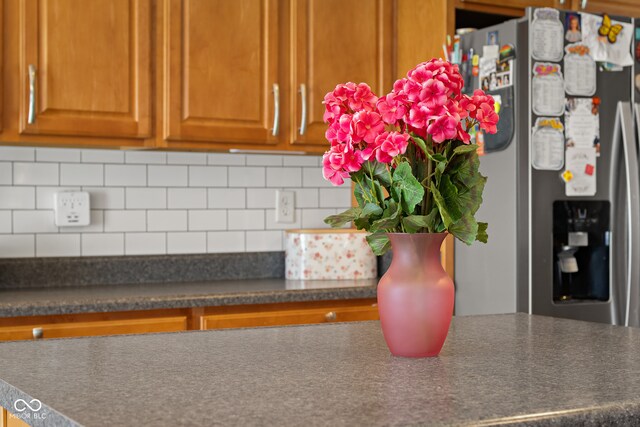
(608, 40)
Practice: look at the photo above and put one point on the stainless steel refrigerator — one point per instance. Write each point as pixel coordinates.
(553, 251)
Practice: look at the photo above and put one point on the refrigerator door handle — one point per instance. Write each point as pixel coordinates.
(630, 152)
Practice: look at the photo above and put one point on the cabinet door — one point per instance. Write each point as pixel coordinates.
(86, 329)
(629, 8)
(336, 41)
(221, 64)
(290, 317)
(518, 4)
(85, 67)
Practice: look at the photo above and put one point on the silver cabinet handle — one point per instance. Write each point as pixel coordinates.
(303, 115)
(583, 4)
(330, 316)
(37, 333)
(561, 2)
(276, 109)
(31, 118)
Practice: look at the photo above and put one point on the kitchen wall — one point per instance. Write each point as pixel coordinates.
(145, 203)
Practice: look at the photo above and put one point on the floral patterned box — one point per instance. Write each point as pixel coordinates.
(329, 255)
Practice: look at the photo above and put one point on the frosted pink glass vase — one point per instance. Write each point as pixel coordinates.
(415, 296)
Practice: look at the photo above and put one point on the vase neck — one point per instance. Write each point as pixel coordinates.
(418, 248)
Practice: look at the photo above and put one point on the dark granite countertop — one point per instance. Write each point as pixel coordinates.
(106, 298)
(511, 369)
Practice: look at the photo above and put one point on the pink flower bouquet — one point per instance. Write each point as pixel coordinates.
(409, 154)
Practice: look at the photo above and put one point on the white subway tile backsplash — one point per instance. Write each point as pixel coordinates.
(17, 197)
(96, 224)
(263, 160)
(167, 220)
(57, 155)
(264, 241)
(206, 220)
(168, 176)
(300, 160)
(284, 177)
(17, 154)
(226, 159)
(187, 243)
(271, 223)
(102, 156)
(120, 220)
(227, 198)
(35, 174)
(145, 243)
(17, 245)
(225, 241)
(34, 222)
(57, 245)
(146, 157)
(261, 198)
(312, 177)
(44, 196)
(245, 219)
(207, 176)
(106, 197)
(186, 158)
(81, 174)
(314, 218)
(151, 202)
(187, 198)
(146, 198)
(102, 244)
(246, 177)
(6, 173)
(335, 197)
(305, 197)
(125, 175)
(5, 222)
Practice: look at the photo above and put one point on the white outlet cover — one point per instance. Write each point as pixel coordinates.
(285, 207)
(72, 208)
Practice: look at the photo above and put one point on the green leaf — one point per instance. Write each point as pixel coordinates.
(464, 169)
(343, 218)
(449, 193)
(390, 218)
(406, 189)
(413, 223)
(463, 149)
(471, 198)
(466, 229)
(379, 172)
(371, 209)
(379, 243)
(442, 205)
(482, 235)
(420, 143)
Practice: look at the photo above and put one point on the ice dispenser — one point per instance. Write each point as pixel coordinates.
(580, 251)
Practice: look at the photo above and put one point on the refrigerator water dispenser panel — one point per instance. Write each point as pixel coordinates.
(581, 251)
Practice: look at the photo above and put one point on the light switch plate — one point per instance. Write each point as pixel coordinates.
(71, 208)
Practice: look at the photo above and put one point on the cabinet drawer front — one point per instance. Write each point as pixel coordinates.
(92, 68)
(289, 317)
(85, 329)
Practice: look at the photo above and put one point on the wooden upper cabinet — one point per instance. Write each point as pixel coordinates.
(335, 41)
(85, 68)
(629, 8)
(221, 69)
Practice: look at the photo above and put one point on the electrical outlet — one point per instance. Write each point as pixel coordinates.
(71, 208)
(285, 206)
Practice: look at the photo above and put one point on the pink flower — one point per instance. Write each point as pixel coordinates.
(487, 118)
(387, 146)
(339, 161)
(363, 98)
(367, 125)
(433, 93)
(443, 128)
(391, 108)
